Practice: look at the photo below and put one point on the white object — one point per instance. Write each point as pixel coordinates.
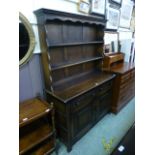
(113, 16)
(84, 6)
(74, 1)
(126, 13)
(47, 110)
(25, 119)
(98, 6)
(121, 148)
(96, 84)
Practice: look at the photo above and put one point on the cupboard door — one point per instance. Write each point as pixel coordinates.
(82, 116)
(103, 104)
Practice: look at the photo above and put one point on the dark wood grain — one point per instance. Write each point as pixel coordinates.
(123, 68)
(72, 46)
(27, 114)
(93, 80)
(43, 148)
(124, 83)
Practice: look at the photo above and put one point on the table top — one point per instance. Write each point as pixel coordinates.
(122, 68)
(32, 109)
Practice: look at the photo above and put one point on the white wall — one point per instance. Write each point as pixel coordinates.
(28, 6)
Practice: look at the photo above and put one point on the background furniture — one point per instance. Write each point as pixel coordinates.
(36, 127)
(72, 58)
(124, 83)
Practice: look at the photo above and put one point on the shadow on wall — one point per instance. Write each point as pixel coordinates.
(31, 79)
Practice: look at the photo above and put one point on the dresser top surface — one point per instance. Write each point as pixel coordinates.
(122, 68)
(83, 87)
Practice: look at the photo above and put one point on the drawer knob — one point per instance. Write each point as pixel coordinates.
(96, 84)
(25, 119)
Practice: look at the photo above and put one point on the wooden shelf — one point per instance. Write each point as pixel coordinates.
(27, 114)
(75, 44)
(91, 81)
(36, 143)
(36, 127)
(69, 64)
(43, 148)
(32, 135)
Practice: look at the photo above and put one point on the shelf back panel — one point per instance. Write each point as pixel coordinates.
(72, 46)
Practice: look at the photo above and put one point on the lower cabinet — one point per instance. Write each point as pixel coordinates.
(82, 114)
(75, 118)
(82, 120)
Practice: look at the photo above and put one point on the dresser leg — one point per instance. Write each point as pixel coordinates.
(69, 148)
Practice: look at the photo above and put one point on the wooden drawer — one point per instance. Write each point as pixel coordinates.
(124, 86)
(104, 88)
(83, 101)
(126, 96)
(132, 73)
(103, 102)
(125, 77)
(126, 89)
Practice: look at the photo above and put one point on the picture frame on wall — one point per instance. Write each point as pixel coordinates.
(132, 23)
(98, 7)
(113, 17)
(116, 2)
(84, 6)
(107, 49)
(126, 14)
(74, 1)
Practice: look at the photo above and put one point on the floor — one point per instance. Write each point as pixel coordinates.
(105, 135)
(127, 144)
